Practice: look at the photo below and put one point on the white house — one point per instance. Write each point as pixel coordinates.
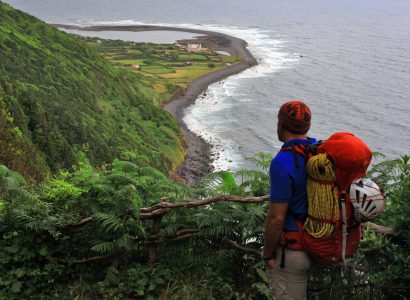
(194, 48)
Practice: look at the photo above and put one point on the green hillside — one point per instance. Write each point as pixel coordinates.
(62, 102)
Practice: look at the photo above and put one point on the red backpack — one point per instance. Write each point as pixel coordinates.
(350, 157)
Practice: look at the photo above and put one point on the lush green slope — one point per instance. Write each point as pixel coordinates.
(61, 101)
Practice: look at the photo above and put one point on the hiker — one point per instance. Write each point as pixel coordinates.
(288, 202)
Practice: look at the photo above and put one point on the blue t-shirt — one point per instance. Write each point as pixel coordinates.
(288, 183)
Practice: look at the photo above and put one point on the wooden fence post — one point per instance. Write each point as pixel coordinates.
(156, 227)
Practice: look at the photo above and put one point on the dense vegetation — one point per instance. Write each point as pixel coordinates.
(61, 102)
(92, 234)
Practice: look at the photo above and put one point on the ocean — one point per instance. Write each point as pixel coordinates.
(349, 60)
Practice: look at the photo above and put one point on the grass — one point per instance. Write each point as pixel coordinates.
(135, 51)
(157, 69)
(165, 67)
(160, 88)
(189, 57)
(229, 59)
(127, 61)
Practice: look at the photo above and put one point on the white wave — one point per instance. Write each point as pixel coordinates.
(206, 116)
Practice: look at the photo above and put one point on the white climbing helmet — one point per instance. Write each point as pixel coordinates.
(367, 199)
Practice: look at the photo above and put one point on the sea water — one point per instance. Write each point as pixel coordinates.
(349, 60)
(156, 37)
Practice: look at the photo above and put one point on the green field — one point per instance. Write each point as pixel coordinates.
(190, 57)
(163, 65)
(156, 69)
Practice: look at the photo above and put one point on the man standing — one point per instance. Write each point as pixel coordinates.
(288, 197)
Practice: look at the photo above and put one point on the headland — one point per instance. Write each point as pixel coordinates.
(197, 162)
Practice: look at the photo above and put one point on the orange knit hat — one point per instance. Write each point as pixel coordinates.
(295, 116)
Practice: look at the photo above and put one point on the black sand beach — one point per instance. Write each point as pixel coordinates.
(197, 162)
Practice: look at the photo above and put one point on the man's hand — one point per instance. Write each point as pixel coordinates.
(273, 230)
(270, 264)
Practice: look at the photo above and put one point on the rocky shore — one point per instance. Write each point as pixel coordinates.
(197, 162)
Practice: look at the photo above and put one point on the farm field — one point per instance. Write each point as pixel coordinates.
(166, 67)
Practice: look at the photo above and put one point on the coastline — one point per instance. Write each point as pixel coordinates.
(197, 162)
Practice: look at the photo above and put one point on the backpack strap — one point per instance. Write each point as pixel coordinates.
(291, 240)
(305, 150)
(295, 156)
(295, 149)
(344, 232)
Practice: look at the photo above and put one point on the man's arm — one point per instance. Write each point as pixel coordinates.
(273, 230)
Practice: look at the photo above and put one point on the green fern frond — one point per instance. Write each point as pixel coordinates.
(220, 231)
(125, 193)
(388, 172)
(119, 166)
(105, 247)
(151, 172)
(222, 182)
(249, 175)
(119, 179)
(109, 222)
(10, 178)
(111, 275)
(32, 216)
(169, 190)
(261, 160)
(143, 182)
(170, 229)
(22, 195)
(126, 242)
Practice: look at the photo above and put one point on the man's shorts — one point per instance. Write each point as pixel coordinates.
(290, 283)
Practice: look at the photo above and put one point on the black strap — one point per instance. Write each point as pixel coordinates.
(309, 149)
(313, 148)
(282, 259)
(295, 156)
(305, 150)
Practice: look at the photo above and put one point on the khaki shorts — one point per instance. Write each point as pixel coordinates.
(290, 283)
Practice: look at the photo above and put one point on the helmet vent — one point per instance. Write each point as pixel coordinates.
(368, 204)
(357, 195)
(372, 209)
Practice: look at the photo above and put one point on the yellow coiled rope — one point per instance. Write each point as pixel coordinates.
(323, 204)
